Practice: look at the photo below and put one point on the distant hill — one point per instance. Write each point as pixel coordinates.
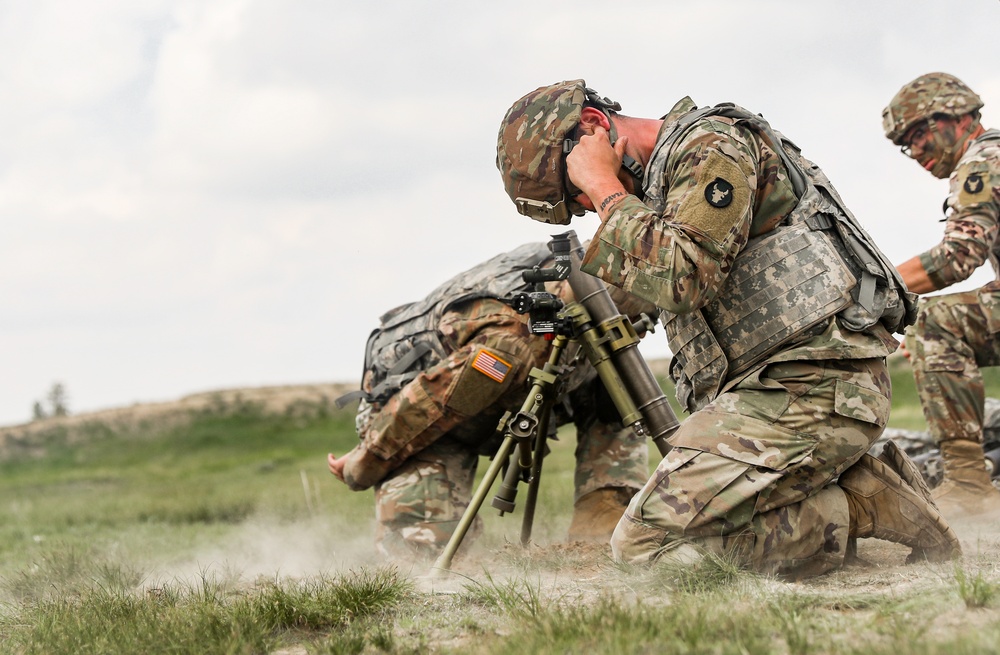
(30, 438)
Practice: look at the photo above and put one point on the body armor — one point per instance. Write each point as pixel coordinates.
(817, 263)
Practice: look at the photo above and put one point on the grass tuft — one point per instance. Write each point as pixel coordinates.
(711, 573)
(974, 590)
(514, 596)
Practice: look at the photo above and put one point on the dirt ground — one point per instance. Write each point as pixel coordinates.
(883, 564)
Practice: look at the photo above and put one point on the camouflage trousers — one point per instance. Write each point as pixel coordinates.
(752, 475)
(418, 506)
(954, 336)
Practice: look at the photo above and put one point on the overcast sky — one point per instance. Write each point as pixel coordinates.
(202, 195)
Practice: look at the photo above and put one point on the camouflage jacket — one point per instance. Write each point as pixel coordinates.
(722, 185)
(971, 234)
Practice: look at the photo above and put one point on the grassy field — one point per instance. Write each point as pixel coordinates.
(222, 532)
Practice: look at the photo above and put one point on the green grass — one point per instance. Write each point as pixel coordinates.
(211, 617)
(177, 485)
(974, 589)
(719, 609)
(906, 413)
(224, 533)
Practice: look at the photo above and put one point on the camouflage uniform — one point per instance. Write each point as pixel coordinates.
(753, 470)
(935, 120)
(420, 448)
(957, 333)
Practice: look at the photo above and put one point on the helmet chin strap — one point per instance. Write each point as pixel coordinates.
(942, 153)
(631, 166)
(948, 154)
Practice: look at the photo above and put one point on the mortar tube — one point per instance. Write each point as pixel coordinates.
(660, 420)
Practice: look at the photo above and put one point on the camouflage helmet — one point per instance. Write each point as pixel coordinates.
(921, 99)
(531, 147)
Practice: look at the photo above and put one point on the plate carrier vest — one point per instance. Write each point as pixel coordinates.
(817, 263)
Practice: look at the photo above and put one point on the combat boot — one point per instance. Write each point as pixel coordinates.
(888, 500)
(966, 489)
(596, 514)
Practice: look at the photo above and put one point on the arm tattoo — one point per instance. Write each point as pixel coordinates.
(616, 194)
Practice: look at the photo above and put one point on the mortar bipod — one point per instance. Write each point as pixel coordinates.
(524, 431)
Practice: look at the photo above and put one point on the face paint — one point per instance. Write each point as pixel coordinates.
(935, 145)
(949, 145)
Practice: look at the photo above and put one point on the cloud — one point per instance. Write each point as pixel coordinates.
(196, 195)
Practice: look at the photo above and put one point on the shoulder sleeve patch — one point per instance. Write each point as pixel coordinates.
(719, 193)
(974, 186)
(484, 377)
(720, 198)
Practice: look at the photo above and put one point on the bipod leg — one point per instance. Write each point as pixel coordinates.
(541, 437)
(443, 563)
(504, 500)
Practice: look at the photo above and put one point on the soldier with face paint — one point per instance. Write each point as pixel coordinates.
(935, 121)
(779, 311)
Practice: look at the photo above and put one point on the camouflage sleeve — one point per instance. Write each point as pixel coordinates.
(492, 354)
(972, 225)
(626, 303)
(678, 259)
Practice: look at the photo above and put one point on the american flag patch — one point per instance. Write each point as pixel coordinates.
(490, 365)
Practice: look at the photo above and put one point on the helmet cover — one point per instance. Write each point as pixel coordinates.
(922, 98)
(530, 150)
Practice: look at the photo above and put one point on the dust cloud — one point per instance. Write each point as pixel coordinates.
(275, 549)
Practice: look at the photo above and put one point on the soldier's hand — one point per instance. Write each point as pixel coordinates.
(336, 466)
(594, 163)
(903, 350)
(359, 468)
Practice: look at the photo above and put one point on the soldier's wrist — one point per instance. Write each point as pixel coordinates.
(364, 468)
